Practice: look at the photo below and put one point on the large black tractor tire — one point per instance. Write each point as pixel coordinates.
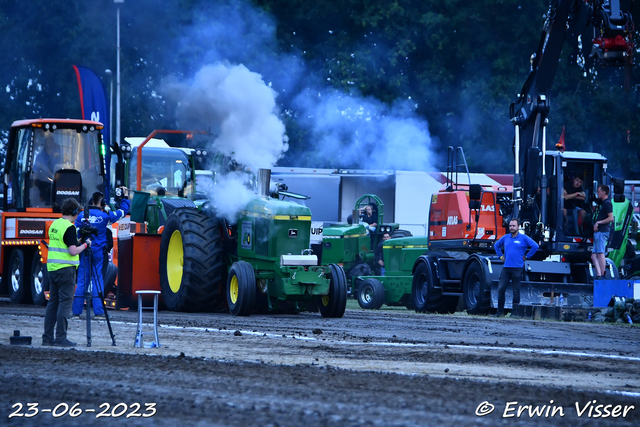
(39, 280)
(334, 304)
(370, 294)
(191, 268)
(476, 290)
(241, 289)
(17, 277)
(424, 296)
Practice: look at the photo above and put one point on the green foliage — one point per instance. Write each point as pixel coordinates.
(461, 64)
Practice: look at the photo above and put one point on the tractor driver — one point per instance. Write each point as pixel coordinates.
(44, 165)
(574, 203)
(369, 217)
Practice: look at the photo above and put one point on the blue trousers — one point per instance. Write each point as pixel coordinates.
(96, 277)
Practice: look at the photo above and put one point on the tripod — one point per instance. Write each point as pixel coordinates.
(92, 273)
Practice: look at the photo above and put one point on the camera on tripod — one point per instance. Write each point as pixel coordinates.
(86, 229)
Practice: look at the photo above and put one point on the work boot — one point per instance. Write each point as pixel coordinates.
(498, 313)
(65, 343)
(47, 343)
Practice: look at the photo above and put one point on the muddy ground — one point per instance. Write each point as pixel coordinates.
(371, 368)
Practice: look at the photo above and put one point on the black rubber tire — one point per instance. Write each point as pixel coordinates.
(17, 279)
(197, 272)
(334, 304)
(370, 294)
(241, 289)
(422, 294)
(360, 269)
(39, 280)
(400, 233)
(477, 293)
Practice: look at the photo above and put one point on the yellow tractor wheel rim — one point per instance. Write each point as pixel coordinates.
(175, 261)
(233, 289)
(325, 300)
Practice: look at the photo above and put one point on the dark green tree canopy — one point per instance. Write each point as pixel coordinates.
(367, 84)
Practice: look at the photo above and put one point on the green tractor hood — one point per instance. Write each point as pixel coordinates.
(271, 227)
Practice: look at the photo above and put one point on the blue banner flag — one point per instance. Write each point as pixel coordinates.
(93, 102)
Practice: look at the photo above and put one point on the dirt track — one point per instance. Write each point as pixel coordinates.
(382, 368)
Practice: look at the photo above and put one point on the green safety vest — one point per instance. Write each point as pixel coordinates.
(59, 256)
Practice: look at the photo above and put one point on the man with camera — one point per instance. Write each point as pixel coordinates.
(62, 262)
(98, 222)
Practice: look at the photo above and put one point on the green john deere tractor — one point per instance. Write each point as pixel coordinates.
(259, 262)
(352, 245)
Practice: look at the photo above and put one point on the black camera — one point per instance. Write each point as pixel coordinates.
(86, 229)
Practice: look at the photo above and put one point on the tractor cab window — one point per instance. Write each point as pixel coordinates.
(19, 169)
(59, 153)
(163, 169)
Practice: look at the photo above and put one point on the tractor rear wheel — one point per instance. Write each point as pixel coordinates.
(335, 303)
(18, 291)
(39, 280)
(241, 289)
(191, 268)
(370, 294)
(477, 294)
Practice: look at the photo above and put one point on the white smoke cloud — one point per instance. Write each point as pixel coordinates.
(237, 106)
(230, 195)
(239, 109)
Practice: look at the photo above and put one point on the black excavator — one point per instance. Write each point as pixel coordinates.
(538, 190)
(462, 260)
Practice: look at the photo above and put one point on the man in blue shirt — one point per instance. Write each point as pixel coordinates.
(515, 253)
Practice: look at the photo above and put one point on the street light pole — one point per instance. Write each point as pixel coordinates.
(110, 74)
(118, 2)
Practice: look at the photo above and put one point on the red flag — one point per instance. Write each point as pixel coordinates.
(560, 145)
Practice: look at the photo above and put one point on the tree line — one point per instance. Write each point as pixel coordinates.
(456, 65)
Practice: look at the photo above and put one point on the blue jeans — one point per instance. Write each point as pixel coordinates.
(600, 239)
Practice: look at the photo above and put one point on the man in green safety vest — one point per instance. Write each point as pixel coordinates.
(62, 262)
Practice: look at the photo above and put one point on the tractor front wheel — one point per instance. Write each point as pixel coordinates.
(241, 289)
(335, 303)
(370, 294)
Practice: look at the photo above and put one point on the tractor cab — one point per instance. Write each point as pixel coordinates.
(49, 160)
(165, 170)
(370, 210)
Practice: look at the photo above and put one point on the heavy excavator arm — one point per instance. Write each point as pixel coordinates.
(612, 46)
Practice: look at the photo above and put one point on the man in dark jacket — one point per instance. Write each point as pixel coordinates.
(379, 256)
